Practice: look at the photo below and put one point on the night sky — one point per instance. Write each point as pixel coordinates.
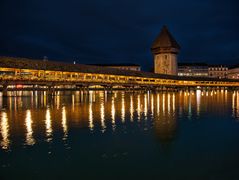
(118, 31)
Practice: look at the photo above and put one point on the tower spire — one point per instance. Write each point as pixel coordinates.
(165, 42)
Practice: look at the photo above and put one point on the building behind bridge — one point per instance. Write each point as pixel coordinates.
(219, 71)
(233, 72)
(193, 69)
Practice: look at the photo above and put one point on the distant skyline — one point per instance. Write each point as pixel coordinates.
(110, 31)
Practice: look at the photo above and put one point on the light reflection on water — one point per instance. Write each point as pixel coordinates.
(48, 123)
(235, 105)
(131, 108)
(64, 122)
(138, 107)
(82, 129)
(91, 117)
(101, 109)
(102, 113)
(123, 107)
(113, 112)
(29, 132)
(5, 142)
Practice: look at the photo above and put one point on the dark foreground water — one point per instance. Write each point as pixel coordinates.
(97, 135)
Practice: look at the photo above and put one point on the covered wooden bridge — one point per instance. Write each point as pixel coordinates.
(23, 74)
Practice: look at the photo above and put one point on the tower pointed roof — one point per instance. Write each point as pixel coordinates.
(165, 41)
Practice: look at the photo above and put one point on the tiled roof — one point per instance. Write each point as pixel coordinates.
(117, 64)
(165, 40)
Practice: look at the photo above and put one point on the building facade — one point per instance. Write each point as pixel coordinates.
(193, 69)
(233, 72)
(217, 71)
(165, 50)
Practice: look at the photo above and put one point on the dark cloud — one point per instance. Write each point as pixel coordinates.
(118, 31)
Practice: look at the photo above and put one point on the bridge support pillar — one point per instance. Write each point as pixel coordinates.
(34, 89)
(51, 91)
(4, 90)
(109, 89)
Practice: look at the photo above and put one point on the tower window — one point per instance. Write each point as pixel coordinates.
(165, 57)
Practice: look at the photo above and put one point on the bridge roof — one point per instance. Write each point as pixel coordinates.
(24, 63)
(116, 64)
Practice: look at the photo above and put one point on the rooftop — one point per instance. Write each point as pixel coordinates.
(193, 64)
(201, 64)
(25, 63)
(117, 64)
(217, 65)
(164, 40)
(234, 66)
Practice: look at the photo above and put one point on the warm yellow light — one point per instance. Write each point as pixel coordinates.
(5, 143)
(91, 123)
(113, 112)
(44, 98)
(48, 125)
(145, 106)
(174, 106)
(64, 121)
(138, 107)
(163, 105)
(28, 123)
(131, 108)
(73, 102)
(198, 100)
(169, 103)
(123, 108)
(102, 115)
(233, 103)
(237, 106)
(158, 104)
(152, 104)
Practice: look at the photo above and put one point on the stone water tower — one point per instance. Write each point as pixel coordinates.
(165, 49)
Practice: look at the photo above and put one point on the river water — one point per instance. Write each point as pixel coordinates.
(120, 135)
